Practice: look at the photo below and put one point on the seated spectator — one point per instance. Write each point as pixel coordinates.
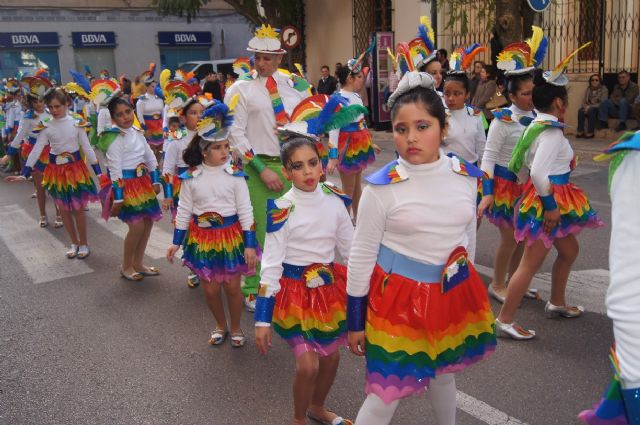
(442, 56)
(618, 104)
(595, 94)
(327, 84)
(635, 110)
(486, 89)
(474, 78)
(498, 100)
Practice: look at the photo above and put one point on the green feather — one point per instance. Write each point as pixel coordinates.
(106, 139)
(345, 116)
(524, 143)
(615, 163)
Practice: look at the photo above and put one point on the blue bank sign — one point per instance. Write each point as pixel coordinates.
(184, 38)
(93, 39)
(17, 40)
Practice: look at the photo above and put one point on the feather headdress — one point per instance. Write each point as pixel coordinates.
(356, 65)
(461, 59)
(37, 87)
(214, 122)
(241, 66)
(147, 76)
(81, 80)
(427, 35)
(556, 76)
(103, 91)
(523, 57)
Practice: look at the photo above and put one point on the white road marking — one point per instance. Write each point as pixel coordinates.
(481, 410)
(39, 252)
(158, 242)
(587, 288)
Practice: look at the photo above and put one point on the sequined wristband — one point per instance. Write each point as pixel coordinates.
(155, 176)
(548, 202)
(178, 236)
(257, 164)
(249, 239)
(333, 153)
(487, 186)
(356, 313)
(264, 309)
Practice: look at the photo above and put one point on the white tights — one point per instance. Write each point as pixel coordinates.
(441, 394)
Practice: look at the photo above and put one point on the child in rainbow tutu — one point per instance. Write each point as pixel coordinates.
(417, 308)
(214, 223)
(302, 291)
(136, 181)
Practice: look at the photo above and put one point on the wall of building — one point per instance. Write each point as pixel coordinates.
(136, 33)
(329, 35)
(406, 17)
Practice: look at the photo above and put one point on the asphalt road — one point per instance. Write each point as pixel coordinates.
(92, 348)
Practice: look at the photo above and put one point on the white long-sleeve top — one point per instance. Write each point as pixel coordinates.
(424, 218)
(13, 115)
(318, 223)
(173, 153)
(104, 120)
(465, 135)
(254, 119)
(64, 136)
(549, 155)
(26, 126)
(354, 99)
(149, 104)
(214, 189)
(129, 150)
(501, 140)
(623, 295)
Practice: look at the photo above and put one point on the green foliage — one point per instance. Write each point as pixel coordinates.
(457, 13)
(181, 8)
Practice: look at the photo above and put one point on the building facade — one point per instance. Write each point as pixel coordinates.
(122, 37)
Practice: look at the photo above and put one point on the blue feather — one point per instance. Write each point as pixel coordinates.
(218, 108)
(81, 80)
(422, 32)
(87, 69)
(542, 51)
(158, 91)
(329, 108)
(471, 48)
(313, 126)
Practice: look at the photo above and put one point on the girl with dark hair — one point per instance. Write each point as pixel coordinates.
(214, 223)
(134, 172)
(66, 176)
(354, 151)
(150, 112)
(302, 290)
(551, 210)
(501, 187)
(416, 307)
(26, 137)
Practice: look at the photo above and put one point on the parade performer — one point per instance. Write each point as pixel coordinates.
(36, 89)
(551, 210)
(423, 53)
(102, 92)
(417, 308)
(620, 404)
(350, 147)
(13, 114)
(149, 111)
(501, 187)
(214, 223)
(136, 181)
(302, 290)
(66, 176)
(266, 98)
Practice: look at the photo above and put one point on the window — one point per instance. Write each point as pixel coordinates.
(171, 57)
(96, 59)
(28, 61)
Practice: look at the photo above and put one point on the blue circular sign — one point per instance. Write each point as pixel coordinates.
(539, 5)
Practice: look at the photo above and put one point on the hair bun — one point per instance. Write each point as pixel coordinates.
(538, 79)
(411, 80)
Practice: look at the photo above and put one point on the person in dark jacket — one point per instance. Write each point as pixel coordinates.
(327, 83)
(212, 85)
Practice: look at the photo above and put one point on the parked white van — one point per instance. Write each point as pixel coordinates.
(202, 68)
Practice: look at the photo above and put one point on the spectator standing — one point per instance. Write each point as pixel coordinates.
(485, 90)
(211, 85)
(327, 83)
(474, 78)
(617, 106)
(443, 57)
(595, 94)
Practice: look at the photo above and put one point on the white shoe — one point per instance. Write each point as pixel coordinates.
(73, 251)
(250, 302)
(83, 252)
(567, 311)
(514, 331)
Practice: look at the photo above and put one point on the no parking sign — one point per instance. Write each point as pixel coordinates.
(539, 5)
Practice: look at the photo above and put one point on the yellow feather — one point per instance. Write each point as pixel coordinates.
(299, 68)
(425, 21)
(560, 68)
(393, 59)
(165, 78)
(233, 102)
(534, 41)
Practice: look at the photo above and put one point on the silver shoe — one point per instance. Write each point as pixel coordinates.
(495, 295)
(73, 251)
(567, 311)
(514, 331)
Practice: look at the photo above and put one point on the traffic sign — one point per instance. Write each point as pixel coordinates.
(539, 5)
(291, 37)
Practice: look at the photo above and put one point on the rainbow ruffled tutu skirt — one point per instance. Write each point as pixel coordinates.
(310, 309)
(355, 152)
(506, 191)
(25, 149)
(68, 181)
(575, 212)
(139, 198)
(155, 135)
(424, 320)
(214, 247)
